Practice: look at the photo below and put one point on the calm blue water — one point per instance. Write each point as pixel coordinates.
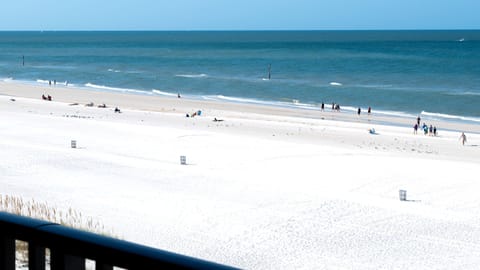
(436, 73)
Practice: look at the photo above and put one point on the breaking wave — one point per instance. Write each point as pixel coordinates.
(203, 75)
(450, 117)
(116, 89)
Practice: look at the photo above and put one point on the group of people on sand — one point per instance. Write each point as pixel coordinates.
(432, 130)
(54, 82)
(48, 97)
(359, 110)
(336, 107)
(194, 114)
(427, 130)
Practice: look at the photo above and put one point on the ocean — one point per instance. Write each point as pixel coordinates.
(406, 73)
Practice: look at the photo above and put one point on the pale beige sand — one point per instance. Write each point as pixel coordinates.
(267, 188)
(262, 121)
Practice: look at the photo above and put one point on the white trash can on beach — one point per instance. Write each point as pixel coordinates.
(183, 160)
(403, 195)
(73, 143)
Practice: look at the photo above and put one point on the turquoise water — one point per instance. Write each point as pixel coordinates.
(433, 73)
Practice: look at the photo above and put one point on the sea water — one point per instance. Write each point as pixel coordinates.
(431, 73)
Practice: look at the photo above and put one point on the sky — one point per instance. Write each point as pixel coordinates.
(238, 14)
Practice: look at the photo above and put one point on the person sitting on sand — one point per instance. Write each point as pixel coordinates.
(463, 138)
(217, 120)
(49, 98)
(117, 110)
(89, 104)
(44, 97)
(102, 106)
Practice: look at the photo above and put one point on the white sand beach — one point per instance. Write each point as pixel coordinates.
(266, 188)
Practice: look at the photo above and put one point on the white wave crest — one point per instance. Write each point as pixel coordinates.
(192, 75)
(9, 79)
(162, 93)
(335, 84)
(114, 70)
(289, 103)
(116, 89)
(467, 93)
(452, 117)
(239, 100)
(43, 81)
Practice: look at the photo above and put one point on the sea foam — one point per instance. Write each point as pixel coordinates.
(163, 93)
(450, 117)
(116, 89)
(202, 75)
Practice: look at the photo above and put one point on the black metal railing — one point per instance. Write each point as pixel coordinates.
(70, 248)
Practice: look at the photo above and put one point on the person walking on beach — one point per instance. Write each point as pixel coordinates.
(415, 128)
(369, 110)
(418, 120)
(323, 106)
(359, 111)
(435, 131)
(463, 138)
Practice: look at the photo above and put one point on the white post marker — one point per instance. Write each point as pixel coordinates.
(403, 195)
(74, 144)
(183, 160)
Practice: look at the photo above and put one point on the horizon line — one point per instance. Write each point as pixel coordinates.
(236, 30)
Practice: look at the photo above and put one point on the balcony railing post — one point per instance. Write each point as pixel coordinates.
(61, 261)
(102, 266)
(7, 252)
(36, 256)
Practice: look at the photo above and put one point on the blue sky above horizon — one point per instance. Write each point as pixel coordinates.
(239, 15)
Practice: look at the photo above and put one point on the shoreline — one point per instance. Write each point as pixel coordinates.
(157, 103)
